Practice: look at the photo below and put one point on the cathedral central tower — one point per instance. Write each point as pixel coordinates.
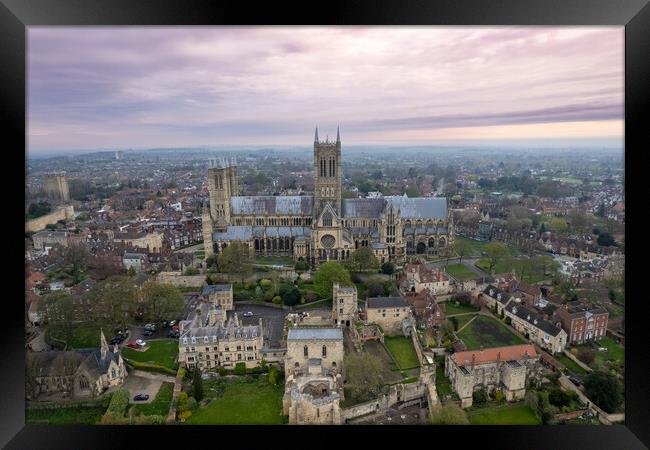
(327, 174)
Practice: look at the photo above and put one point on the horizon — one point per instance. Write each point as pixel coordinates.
(91, 88)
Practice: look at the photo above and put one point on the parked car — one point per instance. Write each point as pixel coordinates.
(141, 397)
(141, 343)
(575, 380)
(165, 324)
(248, 314)
(173, 334)
(172, 323)
(150, 326)
(132, 345)
(175, 328)
(148, 332)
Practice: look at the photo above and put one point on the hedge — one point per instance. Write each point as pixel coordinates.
(151, 367)
(117, 407)
(102, 400)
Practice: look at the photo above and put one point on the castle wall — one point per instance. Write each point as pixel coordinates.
(61, 213)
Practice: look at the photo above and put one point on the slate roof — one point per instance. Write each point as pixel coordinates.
(234, 233)
(363, 207)
(314, 334)
(385, 302)
(268, 204)
(420, 207)
(212, 288)
(531, 316)
(248, 232)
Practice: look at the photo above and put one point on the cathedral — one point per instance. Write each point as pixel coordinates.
(323, 226)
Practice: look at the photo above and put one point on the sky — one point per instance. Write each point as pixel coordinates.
(143, 87)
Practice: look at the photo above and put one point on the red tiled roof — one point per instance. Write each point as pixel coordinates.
(488, 355)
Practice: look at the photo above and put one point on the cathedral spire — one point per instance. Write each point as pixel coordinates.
(338, 136)
(316, 136)
(104, 344)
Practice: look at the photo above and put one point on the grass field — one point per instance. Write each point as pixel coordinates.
(488, 333)
(160, 405)
(65, 416)
(615, 351)
(463, 319)
(273, 260)
(84, 335)
(570, 364)
(389, 369)
(508, 414)
(246, 401)
(443, 385)
(460, 272)
(475, 247)
(162, 352)
(451, 309)
(401, 348)
(506, 266)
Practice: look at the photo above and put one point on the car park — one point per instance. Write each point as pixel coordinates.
(141, 397)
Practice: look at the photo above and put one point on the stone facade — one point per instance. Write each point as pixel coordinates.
(61, 213)
(323, 227)
(219, 294)
(151, 241)
(535, 328)
(83, 373)
(56, 187)
(344, 305)
(505, 368)
(208, 347)
(313, 399)
(44, 239)
(388, 313)
(311, 349)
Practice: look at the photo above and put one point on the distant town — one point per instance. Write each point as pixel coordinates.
(321, 285)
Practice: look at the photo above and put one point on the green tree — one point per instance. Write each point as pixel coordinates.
(131, 271)
(451, 414)
(211, 261)
(606, 240)
(479, 396)
(364, 375)
(59, 312)
(162, 301)
(76, 258)
(388, 268)
(327, 274)
(191, 271)
(197, 385)
(558, 225)
(604, 389)
(113, 299)
(362, 259)
(290, 295)
(462, 249)
(496, 252)
(235, 259)
(274, 375)
(301, 265)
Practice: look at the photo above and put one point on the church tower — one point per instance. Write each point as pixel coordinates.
(327, 174)
(222, 185)
(207, 228)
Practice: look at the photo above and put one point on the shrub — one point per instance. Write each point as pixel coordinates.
(265, 283)
(242, 296)
(499, 396)
(182, 401)
(191, 271)
(197, 385)
(222, 371)
(268, 295)
(273, 375)
(184, 415)
(277, 300)
(480, 396)
(310, 297)
(355, 278)
(586, 355)
(192, 404)
(388, 268)
(240, 368)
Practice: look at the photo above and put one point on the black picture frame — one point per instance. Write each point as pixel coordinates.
(16, 15)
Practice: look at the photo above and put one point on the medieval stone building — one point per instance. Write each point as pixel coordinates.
(323, 226)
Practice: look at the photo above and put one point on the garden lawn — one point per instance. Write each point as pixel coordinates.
(160, 405)
(570, 364)
(506, 265)
(162, 352)
(508, 414)
(488, 333)
(463, 319)
(476, 247)
(65, 416)
(451, 308)
(401, 348)
(615, 351)
(84, 335)
(460, 272)
(244, 402)
(443, 385)
(273, 260)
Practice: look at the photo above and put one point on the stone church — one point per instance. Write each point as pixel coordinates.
(323, 226)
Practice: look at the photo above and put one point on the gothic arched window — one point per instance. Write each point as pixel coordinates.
(327, 219)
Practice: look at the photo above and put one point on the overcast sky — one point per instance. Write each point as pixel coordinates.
(139, 87)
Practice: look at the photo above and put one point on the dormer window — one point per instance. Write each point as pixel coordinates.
(193, 340)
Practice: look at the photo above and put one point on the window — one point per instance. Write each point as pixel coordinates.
(327, 219)
(207, 349)
(305, 351)
(239, 356)
(238, 347)
(324, 351)
(340, 310)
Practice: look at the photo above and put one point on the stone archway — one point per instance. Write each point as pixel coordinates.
(421, 248)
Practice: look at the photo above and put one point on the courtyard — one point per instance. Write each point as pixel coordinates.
(503, 414)
(162, 352)
(272, 321)
(486, 332)
(401, 348)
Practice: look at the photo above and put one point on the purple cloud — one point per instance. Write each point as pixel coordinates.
(139, 87)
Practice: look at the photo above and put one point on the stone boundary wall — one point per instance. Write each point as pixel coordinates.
(61, 213)
(177, 279)
(418, 347)
(409, 392)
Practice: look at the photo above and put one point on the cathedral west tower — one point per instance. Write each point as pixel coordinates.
(327, 174)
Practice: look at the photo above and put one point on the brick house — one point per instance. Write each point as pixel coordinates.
(582, 321)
